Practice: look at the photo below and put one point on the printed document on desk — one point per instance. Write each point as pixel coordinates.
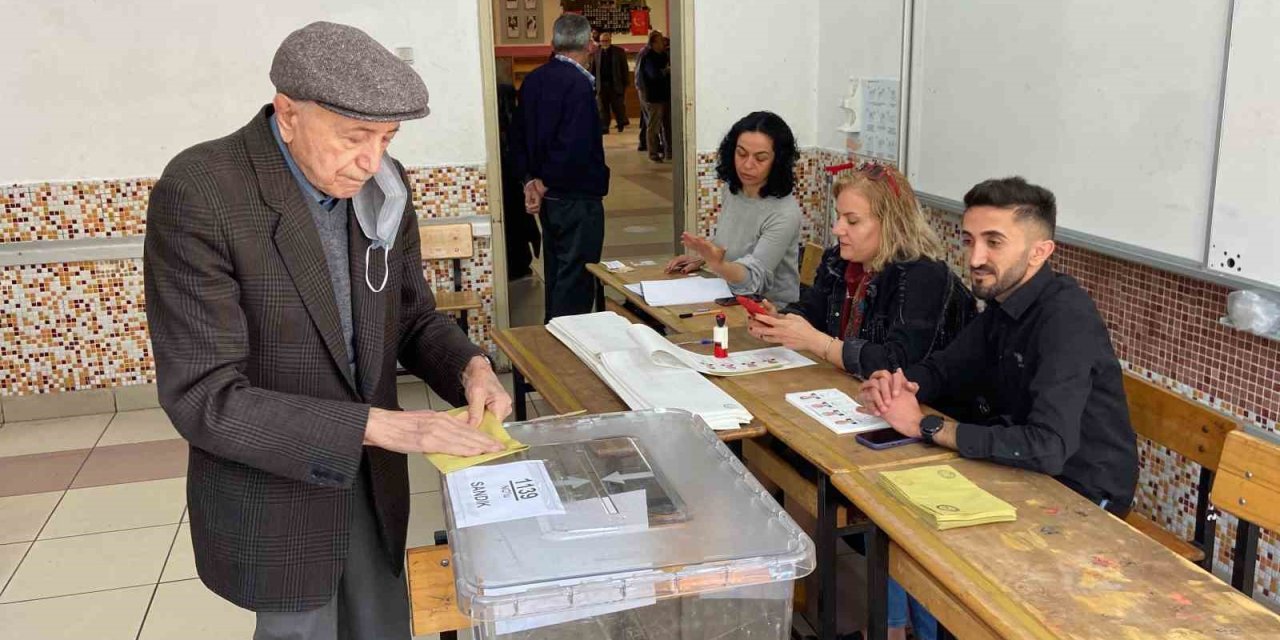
(662, 352)
(691, 290)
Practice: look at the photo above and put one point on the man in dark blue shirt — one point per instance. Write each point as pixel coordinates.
(1037, 367)
(559, 154)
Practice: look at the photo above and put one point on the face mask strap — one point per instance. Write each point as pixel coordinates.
(386, 269)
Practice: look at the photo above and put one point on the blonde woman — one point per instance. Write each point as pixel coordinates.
(883, 298)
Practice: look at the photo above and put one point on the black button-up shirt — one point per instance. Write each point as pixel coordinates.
(1045, 387)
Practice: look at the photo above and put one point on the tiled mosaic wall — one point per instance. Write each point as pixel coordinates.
(1164, 327)
(82, 325)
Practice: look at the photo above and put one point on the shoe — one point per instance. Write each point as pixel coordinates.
(655, 158)
(621, 127)
(642, 148)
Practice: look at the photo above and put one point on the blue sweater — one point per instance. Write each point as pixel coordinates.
(556, 134)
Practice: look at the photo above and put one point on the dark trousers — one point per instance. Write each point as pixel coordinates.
(611, 100)
(572, 238)
(372, 602)
(644, 125)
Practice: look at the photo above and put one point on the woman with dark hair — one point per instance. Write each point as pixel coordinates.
(755, 246)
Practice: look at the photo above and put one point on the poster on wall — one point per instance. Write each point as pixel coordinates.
(523, 20)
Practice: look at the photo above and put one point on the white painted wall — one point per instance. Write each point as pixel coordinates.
(755, 55)
(95, 89)
(861, 38)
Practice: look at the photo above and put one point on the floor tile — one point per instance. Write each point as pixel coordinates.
(437, 403)
(40, 473)
(10, 557)
(94, 562)
(544, 409)
(106, 615)
(117, 507)
(137, 396)
(426, 516)
(139, 462)
(181, 564)
(58, 405)
(145, 425)
(190, 611)
(21, 517)
(423, 476)
(412, 396)
(55, 434)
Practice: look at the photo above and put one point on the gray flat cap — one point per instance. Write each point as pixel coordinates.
(349, 73)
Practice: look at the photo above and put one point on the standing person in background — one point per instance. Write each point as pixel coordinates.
(609, 66)
(520, 231)
(656, 72)
(559, 153)
(644, 108)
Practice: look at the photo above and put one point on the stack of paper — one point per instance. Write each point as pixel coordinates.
(946, 499)
(648, 372)
(835, 410)
(690, 290)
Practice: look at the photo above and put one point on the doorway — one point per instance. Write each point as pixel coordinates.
(644, 211)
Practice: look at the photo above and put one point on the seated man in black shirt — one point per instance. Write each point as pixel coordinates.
(1037, 367)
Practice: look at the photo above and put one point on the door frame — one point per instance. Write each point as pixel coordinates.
(684, 179)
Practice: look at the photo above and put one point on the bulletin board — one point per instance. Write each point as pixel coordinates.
(520, 22)
(613, 16)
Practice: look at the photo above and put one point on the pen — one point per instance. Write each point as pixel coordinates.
(702, 341)
(699, 312)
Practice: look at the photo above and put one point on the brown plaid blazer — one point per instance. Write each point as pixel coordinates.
(251, 368)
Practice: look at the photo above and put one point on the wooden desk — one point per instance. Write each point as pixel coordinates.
(1064, 569)
(668, 317)
(539, 360)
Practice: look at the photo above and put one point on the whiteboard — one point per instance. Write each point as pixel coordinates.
(1114, 106)
(1246, 206)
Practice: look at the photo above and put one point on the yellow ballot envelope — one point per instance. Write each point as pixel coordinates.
(490, 426)
(946, 499)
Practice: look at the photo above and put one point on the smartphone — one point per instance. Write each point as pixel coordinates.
(754, 308)
(883, 439)
(731, 301)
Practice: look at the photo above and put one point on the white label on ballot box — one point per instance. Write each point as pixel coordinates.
(502, 492)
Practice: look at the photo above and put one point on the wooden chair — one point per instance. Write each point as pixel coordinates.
(1197, 433)
(451, 242)
(432, 594)
(1248, 487)
(810, 260)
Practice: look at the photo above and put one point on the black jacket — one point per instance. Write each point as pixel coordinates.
(655, 76)
(555, 134)
(913, 309)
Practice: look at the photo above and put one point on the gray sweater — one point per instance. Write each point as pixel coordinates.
(763, 235)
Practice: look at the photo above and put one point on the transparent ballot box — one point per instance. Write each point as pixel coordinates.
(659, 532)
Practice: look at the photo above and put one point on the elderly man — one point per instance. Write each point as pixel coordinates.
(283, 281)
(609, 65)
(559, 152)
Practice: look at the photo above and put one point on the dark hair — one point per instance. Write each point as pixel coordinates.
(1026, 199)
(782, 179)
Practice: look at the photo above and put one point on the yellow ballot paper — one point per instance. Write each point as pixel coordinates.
(490, 426)
(946, 499)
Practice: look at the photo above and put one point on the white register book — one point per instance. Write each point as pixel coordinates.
(648, 372)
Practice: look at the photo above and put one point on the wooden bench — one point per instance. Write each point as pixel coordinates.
(1193, 431)
(1248, 487)
(451, 242)
(810, 260)
(432, 595)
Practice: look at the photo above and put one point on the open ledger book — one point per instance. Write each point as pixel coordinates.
(648, 372)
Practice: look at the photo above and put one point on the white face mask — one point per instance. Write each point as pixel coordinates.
(379, 207)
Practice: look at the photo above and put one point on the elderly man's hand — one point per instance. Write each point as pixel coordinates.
(484, 391)
(425, 432)
(534, 191)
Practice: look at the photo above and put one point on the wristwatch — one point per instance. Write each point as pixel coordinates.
(929, 427)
